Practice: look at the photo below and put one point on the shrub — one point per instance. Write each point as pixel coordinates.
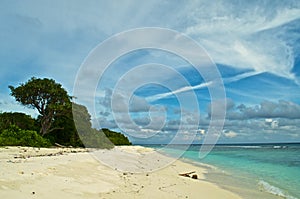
(21, 120)
(115, 137)
(14, 136)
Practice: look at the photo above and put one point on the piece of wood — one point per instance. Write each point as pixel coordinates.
(59, 145)
(187, 174)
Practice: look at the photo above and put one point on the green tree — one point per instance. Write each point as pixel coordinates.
(45, 95)
(21, 120)
(68, 135)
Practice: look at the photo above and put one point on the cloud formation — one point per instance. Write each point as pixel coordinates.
(254, 34)
(266, 109)
(230, 134)
(255, 39)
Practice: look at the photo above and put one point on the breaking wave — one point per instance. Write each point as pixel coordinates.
(265, 186)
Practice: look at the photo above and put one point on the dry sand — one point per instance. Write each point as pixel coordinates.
(75, 173)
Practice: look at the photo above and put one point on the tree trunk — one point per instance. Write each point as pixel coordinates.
(46, 123)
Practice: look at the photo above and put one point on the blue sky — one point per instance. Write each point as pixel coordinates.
(254, 44)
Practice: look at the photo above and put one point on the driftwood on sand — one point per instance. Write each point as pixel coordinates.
(59, 145)
(194, 176)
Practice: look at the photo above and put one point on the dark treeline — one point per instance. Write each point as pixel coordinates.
(55, 123)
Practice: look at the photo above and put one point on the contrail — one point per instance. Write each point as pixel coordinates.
(202, 85)
(240, 76)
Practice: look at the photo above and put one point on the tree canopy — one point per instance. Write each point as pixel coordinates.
(46, 96)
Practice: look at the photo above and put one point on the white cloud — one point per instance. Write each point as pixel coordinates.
(272, 123)
(268, 120)
(246, 36)
(266, 110)
(230, 134)
(202, 131)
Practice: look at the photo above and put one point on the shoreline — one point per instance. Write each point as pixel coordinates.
(239, 182)
(74, 173)
(235, 184)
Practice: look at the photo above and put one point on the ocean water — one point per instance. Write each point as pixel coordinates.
(252, 170)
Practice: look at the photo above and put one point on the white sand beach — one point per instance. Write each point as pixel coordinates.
(75, 173)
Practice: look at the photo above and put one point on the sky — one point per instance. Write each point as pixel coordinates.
(250, 59)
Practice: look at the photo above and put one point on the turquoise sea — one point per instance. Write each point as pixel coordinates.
(251, 170)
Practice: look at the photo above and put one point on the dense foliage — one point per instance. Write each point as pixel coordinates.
(116, 138)
(20, 120)
(14, 136)
(65, 132)
(55, 121)
(91, 137)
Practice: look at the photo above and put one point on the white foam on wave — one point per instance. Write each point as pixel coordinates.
(245, 147)
(265, 186)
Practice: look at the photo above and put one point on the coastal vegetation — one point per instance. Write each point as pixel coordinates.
(55, 123)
